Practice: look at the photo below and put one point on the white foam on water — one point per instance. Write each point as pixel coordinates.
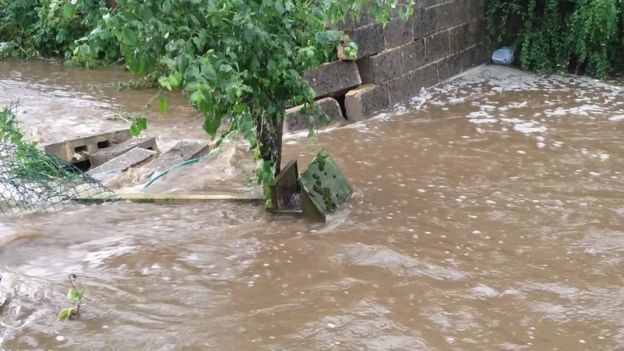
(583, 110)
(479, 117)
(483, 291)
(616, 118)
(529, 127)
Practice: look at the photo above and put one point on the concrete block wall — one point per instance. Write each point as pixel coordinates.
(442, 39)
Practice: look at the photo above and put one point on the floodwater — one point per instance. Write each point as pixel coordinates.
(56, 103)
(487, 214)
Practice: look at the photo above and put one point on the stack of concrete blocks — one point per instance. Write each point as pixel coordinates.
(442, 39)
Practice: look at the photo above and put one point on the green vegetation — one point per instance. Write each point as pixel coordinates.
(584, 36)
(9, 130)
(44, 28)
(241, 63)
(74, 295)
(29, 163)
(32, 179)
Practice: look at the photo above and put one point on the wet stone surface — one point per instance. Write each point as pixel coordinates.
(486, 215)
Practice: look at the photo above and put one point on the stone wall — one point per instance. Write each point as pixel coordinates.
(442, 39)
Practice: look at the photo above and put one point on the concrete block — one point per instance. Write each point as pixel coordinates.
(449, 67)
(413, 55)
(482, 54)
(437, 46)
(473, 56)
(474, 9)
(78, 150)
(445, 14)
(430, 3)
(351, 22)
(401, 5)
(463, 13)
(477, 31)
(424, 23)
(398, 32)
(296, 120)
(324, 187)
(181, 151)
(122, 163)
(466, 58)
(460, 38)
(365, 101)
(370, 39)
(380, 68)
(408, 85)
(334, 78)
(107, 154)
(451, 14)
(439, 15)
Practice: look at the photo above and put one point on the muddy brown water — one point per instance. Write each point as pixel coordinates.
(486, 215)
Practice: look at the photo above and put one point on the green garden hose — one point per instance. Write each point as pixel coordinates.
(166, 171)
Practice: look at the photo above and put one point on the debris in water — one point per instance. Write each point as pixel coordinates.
(503, 56)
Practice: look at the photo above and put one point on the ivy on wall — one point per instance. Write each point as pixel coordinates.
(582, 36)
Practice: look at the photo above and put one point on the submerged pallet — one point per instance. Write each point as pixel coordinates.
(104, 155)
(134, 157)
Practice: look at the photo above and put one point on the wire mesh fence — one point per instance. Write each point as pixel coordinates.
(31, 180)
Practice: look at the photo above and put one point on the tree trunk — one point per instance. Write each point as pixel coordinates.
(270, 138)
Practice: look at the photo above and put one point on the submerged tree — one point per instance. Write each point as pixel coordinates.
(241, 63)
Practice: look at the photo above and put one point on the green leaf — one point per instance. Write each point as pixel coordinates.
(212, 124)
(225, 68)
(328, 37)
(351, 50)
(176, 79)
(129, 36)
(66, 313)
(69, 10)
(162, 103)
(75, 295)
(279, 6)
(165, 83)
(168, 61)
(137, 126)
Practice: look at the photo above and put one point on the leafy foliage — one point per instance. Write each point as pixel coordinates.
(66, 313)
(585, 36)
(138, 125)
(31, 164)
(31, 179)
(74, 295)
(9, 130)
(240, 62)
(30, 28)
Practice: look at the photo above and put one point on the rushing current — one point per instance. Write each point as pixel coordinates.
(488, 214)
